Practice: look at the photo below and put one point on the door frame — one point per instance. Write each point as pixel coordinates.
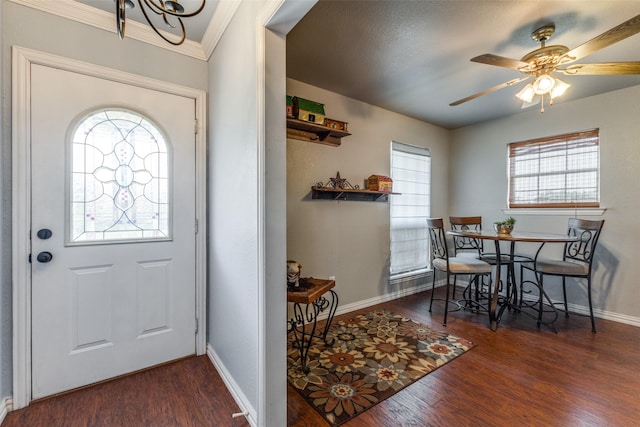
(22, 59)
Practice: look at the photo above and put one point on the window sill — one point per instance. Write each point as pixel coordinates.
(556, 211)
(423, 272)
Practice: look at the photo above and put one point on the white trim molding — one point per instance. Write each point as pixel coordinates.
(268, 10)
(236, 392)
(573, 308)
(21, 194)
(98, 18)
(599, 313)
(6, 406)
(383, 298)
(358, 305)
(219, 22)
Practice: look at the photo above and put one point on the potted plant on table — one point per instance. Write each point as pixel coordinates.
(504, 227)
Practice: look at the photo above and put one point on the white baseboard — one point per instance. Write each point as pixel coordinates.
(378, 300)
(6, 406)
(616, 317)
(247, 410)
(342, 309)
(601, 314)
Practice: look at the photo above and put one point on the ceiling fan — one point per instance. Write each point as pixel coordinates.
(539, 65)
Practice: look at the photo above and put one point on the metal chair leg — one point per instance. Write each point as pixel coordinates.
(521, 286)
(513, 288)
(446, 302)
(541, 302)
(455, 278)
(564, 295)
(593, 322)
(433, 288)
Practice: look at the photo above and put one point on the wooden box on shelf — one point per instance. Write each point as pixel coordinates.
(380, 183)
(335, 124)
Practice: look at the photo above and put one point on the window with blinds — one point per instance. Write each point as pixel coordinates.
(555, 172)
(411, 174)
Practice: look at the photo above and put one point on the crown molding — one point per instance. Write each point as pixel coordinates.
(219, 22)
(97, 18)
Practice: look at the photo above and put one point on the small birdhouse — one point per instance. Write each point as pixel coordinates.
(309, 111)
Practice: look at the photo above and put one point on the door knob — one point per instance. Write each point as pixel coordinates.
(44, 256)
(44, 233)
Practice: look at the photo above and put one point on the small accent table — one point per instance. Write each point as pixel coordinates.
(304, 322)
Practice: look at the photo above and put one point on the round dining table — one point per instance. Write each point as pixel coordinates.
(513, 237)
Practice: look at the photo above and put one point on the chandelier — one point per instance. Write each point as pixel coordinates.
(170, 11)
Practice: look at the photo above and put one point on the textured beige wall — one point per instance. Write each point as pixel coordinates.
(478, 186)
(346, 239)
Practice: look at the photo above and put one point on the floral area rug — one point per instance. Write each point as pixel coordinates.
(372, 356)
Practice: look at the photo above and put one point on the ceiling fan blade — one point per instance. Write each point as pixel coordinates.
(486, 91)
(500, 61)
(603, 68)
(614, 35)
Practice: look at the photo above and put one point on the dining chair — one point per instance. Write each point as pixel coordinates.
(473, 247)
(468, 246)
(576, 262)
(452, 266)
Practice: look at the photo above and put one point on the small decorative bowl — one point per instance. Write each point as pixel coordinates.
(503, 228)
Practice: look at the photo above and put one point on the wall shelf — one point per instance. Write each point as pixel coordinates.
(313, 132)
(327, 193)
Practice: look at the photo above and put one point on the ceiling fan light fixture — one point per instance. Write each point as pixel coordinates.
(541, 63)
(543, 84)
(535, 101)
(526, 94)
(559, 88)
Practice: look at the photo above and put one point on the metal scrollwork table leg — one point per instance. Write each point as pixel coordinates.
(304, 323)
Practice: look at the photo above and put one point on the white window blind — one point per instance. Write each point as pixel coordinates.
(411, 174)
(554, 172)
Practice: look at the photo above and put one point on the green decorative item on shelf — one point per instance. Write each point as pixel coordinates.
(504, 227)
(308, 111)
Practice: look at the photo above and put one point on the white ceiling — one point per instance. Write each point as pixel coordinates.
(412, 57)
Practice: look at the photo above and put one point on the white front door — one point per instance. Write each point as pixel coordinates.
(112, 228)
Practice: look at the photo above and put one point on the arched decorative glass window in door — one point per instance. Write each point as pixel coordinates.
(119, 179)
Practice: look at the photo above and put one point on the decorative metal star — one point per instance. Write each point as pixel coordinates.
(338, 182)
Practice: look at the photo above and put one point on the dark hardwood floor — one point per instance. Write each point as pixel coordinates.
(185, 393)
(516, 376)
